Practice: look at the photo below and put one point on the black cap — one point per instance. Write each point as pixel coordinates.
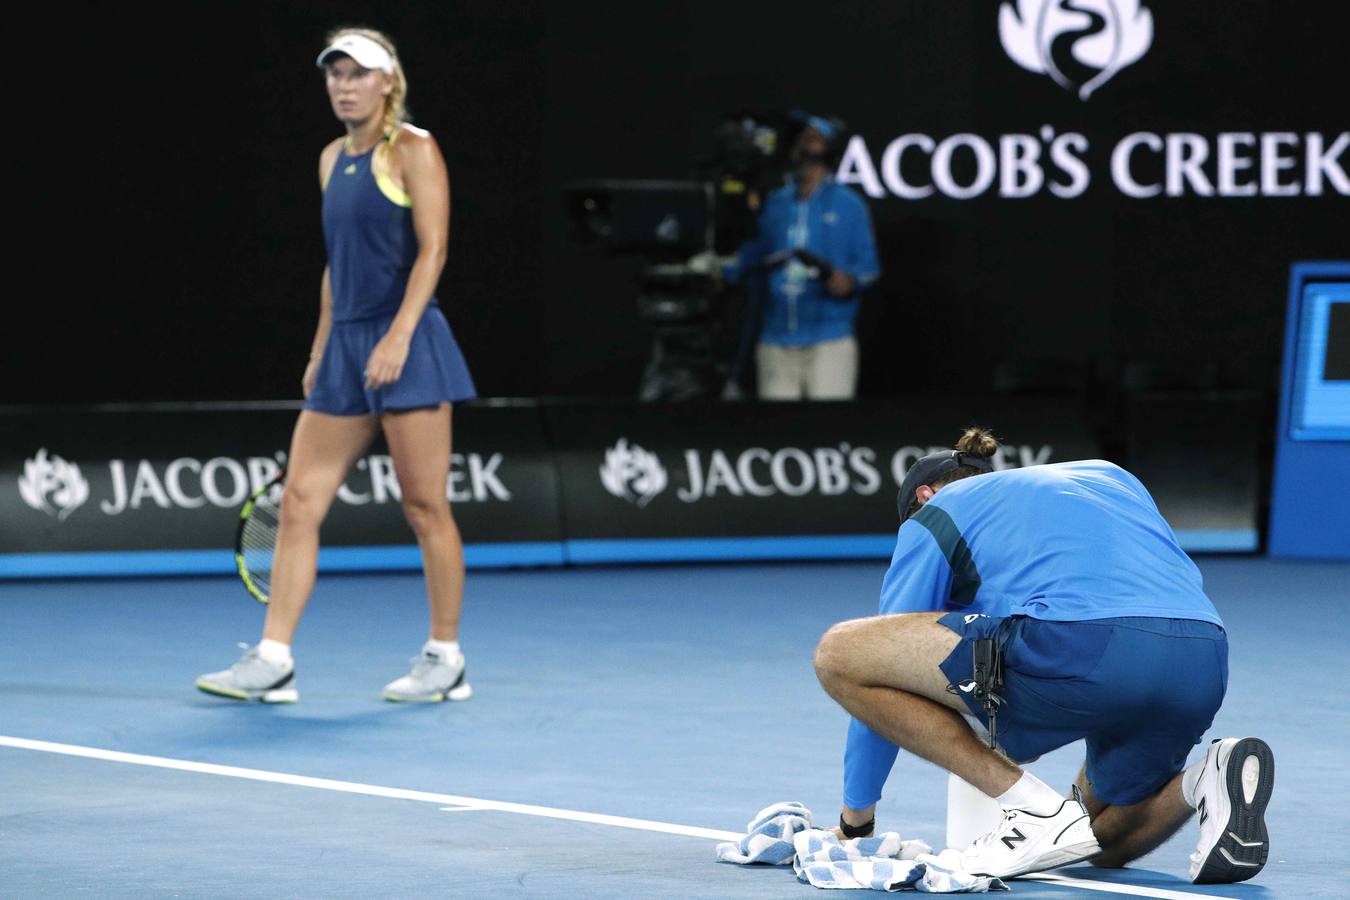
(932, 467)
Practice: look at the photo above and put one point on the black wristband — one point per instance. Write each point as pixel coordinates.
(857, 831)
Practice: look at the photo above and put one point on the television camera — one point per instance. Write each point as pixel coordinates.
(668, 223)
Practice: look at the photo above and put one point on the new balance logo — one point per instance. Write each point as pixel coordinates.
(1200, 808)
(1016, 837)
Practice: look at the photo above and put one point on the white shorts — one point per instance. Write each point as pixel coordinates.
(824, 371)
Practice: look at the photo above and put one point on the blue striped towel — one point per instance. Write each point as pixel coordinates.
(782, 834)
(768, 837)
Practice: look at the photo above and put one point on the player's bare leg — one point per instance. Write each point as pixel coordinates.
(885, 671)
(419, 441)
(323, 450)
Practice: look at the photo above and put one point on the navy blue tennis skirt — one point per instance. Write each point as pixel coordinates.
(434, 373)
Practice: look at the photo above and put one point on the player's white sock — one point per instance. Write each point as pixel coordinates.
(1189, 779)
(274, 652)
(447, 650)
(1033, 795)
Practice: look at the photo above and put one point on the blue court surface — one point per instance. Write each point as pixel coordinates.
(624, 721)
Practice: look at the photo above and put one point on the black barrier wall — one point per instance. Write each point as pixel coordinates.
(131, 490)
(696, 471)
(175, 478)
(1016, 219)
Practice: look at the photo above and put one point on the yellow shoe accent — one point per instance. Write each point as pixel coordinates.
(207, 687)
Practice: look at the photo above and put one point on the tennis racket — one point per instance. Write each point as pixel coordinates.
(255, 542)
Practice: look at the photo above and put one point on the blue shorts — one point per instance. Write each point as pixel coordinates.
(1140, 691)
(435, 371)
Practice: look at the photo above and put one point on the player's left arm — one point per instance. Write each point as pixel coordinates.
(868, 758)
(918, 580)
(418, 159)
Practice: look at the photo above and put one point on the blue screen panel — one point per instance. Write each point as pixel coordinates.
(1321, 398)
(1309, 515)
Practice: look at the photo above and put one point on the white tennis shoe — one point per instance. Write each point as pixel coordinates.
(433, 678)
(1025, 842)
(1231, 796)
(253, 678)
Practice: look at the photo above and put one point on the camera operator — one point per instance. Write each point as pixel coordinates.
(817, 252)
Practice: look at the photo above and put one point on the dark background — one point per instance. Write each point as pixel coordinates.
(168, 207)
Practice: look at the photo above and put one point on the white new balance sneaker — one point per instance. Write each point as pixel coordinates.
(433, 678)
(253, 678)
(1231, 796)
(1025, 842)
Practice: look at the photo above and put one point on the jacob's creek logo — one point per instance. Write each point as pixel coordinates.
(52, 485)
(633, 474)
(636, 475)
(1081, 44)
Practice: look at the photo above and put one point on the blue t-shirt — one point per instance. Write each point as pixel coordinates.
(1063, 542)
(832, 223)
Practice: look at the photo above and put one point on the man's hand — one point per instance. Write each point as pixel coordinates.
(840, 283)
(824, 269)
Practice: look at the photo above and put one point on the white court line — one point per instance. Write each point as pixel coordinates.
(1163, 893)
(473, 804)
(372, 790)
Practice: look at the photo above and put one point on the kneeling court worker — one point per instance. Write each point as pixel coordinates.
(1053, 604)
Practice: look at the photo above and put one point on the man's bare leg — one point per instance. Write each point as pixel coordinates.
(1129, 832)
(885, 671)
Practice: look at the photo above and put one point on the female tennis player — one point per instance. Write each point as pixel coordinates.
(382, 357)
(1066, 583)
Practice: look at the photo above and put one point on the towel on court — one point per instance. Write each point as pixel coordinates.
(768, 837)
(943, 875)
(882, 863)
(782, 834)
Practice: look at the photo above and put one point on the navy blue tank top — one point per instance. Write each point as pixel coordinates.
(368, 229)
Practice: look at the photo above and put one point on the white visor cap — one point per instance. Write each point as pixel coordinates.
(367, 53)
